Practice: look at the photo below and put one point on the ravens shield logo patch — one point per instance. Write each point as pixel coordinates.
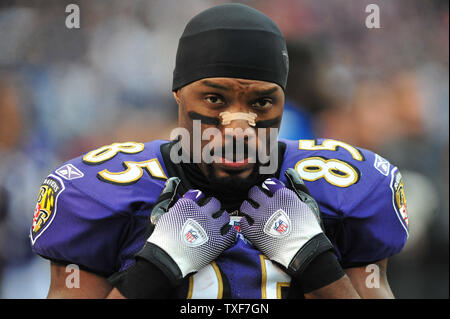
(46, 206)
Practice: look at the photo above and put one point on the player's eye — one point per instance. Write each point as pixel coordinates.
(214, 99)
(263, 103)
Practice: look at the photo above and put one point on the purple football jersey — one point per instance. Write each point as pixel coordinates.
(356, 190)
(92, 211)
(97, 218)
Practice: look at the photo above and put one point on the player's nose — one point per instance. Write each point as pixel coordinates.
(238, 121)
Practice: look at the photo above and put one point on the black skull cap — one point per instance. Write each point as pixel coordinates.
(231, 40)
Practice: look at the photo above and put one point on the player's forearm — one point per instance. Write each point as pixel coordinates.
(340, 289)
(90, 285)
(324, 278)
(115, 294)
(379, 286)
(143, 280)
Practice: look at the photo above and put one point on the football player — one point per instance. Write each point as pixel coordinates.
(314, 219)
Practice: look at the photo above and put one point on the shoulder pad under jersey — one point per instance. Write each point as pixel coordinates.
(91, 209)
(360, 194)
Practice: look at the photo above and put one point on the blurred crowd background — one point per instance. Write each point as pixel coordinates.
(66, 91)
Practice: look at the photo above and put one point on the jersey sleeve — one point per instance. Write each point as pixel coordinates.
(69, 226)
(360, 194)
(375, 224)
(92, 211)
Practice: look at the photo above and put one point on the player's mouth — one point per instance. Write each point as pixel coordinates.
(233, 164)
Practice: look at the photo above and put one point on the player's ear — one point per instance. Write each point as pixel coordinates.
(176, 95)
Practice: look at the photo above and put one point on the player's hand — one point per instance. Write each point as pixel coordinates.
(193, 232)
(284, 223)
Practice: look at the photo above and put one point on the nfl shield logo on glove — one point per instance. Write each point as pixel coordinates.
(193, 234)
(278, 225)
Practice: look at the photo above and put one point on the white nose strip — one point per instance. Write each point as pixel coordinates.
(227, 117)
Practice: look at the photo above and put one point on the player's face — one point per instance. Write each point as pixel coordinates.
(207, 98)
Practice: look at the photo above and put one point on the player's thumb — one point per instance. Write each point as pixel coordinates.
(296, 184)
(295, 181)
(166, 199)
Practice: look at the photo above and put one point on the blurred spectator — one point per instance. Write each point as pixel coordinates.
(3, 214)
(303, 98)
